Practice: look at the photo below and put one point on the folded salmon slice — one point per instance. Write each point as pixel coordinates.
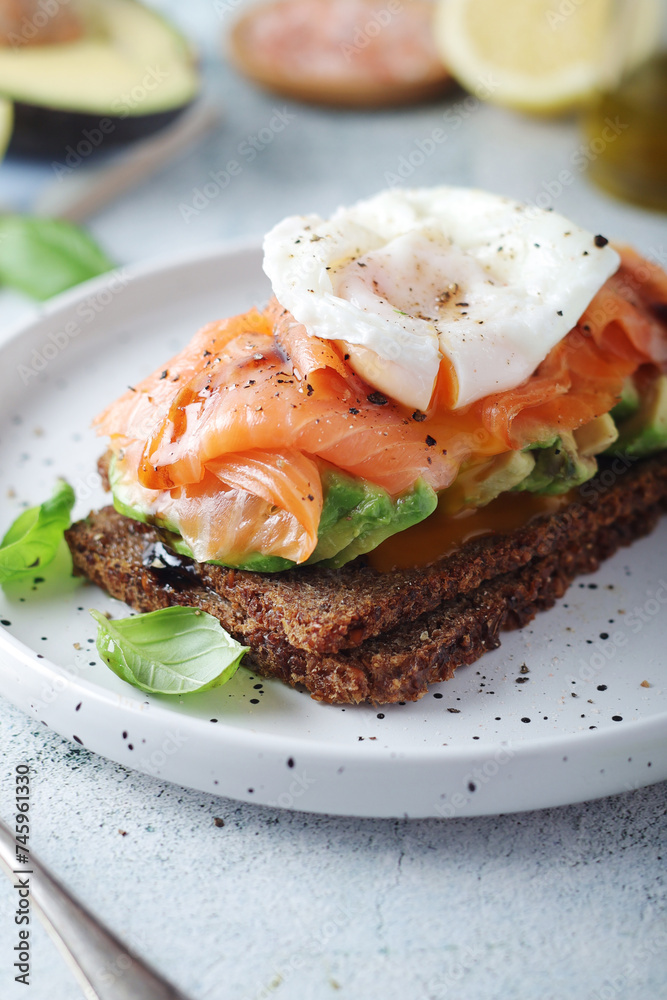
(262, 503)
(582, 377)
(244, 393)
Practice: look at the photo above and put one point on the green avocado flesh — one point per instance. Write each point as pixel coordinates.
(628, 404)
(644, 431)
(129, 61)
(357, 515)
(478, 485)
(559, 467)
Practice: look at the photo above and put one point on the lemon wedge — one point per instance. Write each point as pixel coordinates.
(545, 56)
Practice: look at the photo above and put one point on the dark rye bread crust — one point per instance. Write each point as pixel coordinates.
(353, 634)
(328, 610)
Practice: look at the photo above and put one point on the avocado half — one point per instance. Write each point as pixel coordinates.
(127, 75)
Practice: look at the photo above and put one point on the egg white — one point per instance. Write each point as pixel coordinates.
(409, 277)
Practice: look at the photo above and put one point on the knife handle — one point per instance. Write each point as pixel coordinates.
(105, 968)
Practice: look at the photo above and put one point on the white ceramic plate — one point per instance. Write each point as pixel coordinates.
(577, 725)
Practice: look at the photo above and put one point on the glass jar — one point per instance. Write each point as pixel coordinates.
(626, 124)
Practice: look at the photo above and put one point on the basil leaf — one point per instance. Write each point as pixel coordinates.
(34, 537)
(174, 650)
(42, 257)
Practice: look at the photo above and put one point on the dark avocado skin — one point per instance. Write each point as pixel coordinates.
(48, 133)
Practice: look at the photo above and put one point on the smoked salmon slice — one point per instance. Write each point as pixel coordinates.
(231, 510)
(583, 376)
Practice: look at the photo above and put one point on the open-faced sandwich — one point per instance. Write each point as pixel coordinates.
(452, 406)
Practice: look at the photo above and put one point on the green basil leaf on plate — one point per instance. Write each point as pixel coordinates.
(34, 537)
(174, 650)
(42, 257)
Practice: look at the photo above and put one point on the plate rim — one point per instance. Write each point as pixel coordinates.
(355, 752)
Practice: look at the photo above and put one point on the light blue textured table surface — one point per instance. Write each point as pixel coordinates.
(567, 902)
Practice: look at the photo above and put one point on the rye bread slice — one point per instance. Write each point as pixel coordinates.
(328, 610)
(416, 626)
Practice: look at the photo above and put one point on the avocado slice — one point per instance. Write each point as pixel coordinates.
(597, 436)
(480, 484)
(128, 74)
(559, 468)
(646, 431)
(375, 518)
(628, 404)
(351, 506)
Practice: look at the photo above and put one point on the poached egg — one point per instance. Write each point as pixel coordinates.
(410, 281)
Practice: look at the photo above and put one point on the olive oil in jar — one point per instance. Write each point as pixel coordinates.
(626, 129)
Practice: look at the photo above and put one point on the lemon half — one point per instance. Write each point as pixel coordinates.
(545, 56)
